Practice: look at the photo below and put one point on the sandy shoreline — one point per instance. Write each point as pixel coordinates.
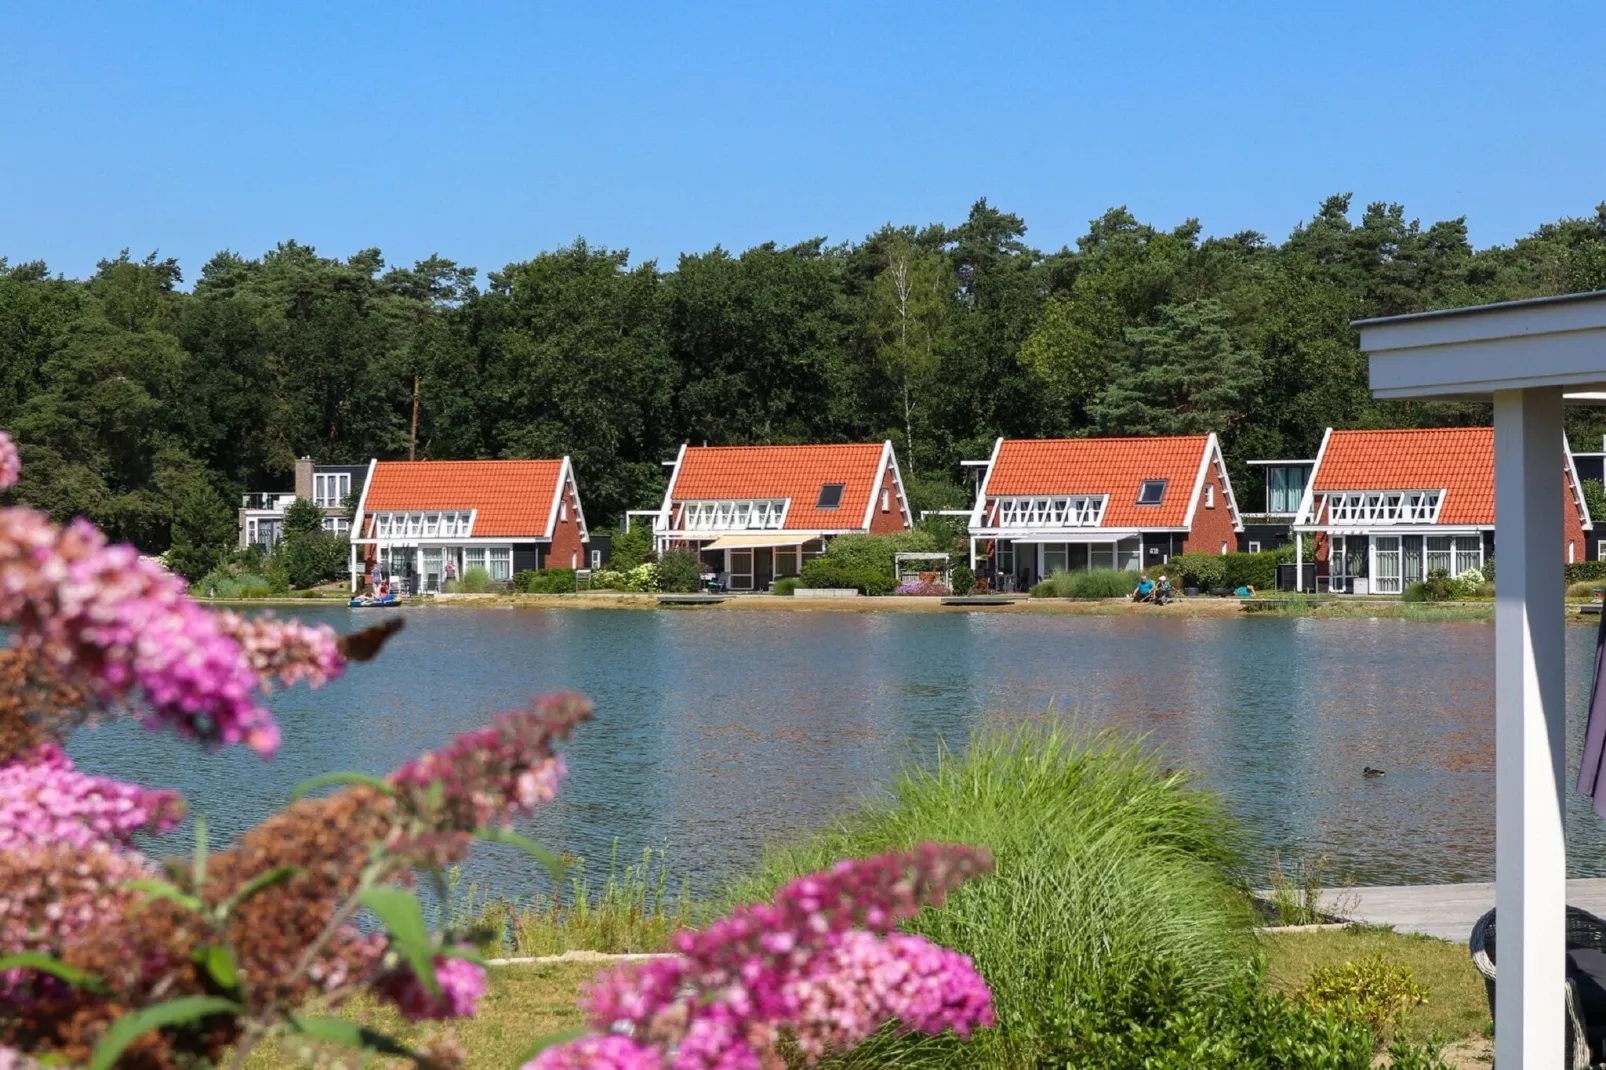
(1336, 608)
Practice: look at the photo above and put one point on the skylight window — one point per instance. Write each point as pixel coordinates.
(830, 496)
(1152, 492)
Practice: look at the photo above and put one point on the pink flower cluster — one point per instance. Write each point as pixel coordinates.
(487, 776)
(122, 625)
(820, 961)
(10, 462)
(45, 801)
(50, 894)
(607, 1051)
(462, 983)
(285, 651)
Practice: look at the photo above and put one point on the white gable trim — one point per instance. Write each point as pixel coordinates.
(1212, 452)
(889, 460)
(362, 500)
(1304, 516)
(1576, 485)
(665, 510)
(979, 512)
(568, 482)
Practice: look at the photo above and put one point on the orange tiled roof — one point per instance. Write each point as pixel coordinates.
(514, 498)
(1458, 459)
(1113, 466)
(714, 473)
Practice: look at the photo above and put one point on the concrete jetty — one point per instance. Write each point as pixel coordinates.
(1447, 911)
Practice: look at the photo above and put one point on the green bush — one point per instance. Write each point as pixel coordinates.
(642, 578)
(830, 572)
(874, 553)
(1585, 590)
(1098, 583)
(785, 587)
(1595, 498)
(1251, 570)
(544, 581)
(964, 580)
(1438, 587)
(631, 548)
(226, 583)
(310, 558)
(679, 571)
(475, 580)
(1201, 570)
(1374, 992)
(1579, 571)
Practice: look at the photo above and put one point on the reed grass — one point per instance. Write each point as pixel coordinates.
(1112, 889)
(634, 909)
(1097, 583)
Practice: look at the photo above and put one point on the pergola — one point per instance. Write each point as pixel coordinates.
(1528, 358)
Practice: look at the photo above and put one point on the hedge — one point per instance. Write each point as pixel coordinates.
(829, 572)
(1206, 570)
(1583, 571)
(544, 581)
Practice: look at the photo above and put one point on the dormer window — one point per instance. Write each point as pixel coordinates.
(1151, 492)
(830, 496)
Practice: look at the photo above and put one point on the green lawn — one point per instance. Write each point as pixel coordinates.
(527, 1002)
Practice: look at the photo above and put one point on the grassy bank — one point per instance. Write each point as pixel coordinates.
(525, 1003)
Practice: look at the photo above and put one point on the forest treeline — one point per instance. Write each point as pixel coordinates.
(138, 403)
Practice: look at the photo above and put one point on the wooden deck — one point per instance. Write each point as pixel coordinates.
(979, 600)
(690, 599)
(1447, 911)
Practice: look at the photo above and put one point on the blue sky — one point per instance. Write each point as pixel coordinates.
(489, 132)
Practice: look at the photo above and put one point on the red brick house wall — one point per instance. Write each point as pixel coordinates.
(1211, 527)
(886, 523)
(566, 549)
(1573, 527)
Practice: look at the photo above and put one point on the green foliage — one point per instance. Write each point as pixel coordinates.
(302, 517)
(641, 578)
(786, 587)
(544, 581)
(1373, 992)
(310, 558)
(679, 571)
(1095, 583)
(1252, 570)
(124, 388)
(1594, 498)
(964, 580)
(476, 580)
(1578, 571)
(830, 572)
(1198, 569)
(631, 549)
(1440, 586)
(228, 583)
(873, 554)
(204, 530)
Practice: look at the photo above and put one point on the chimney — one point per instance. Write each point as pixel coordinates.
(304, 478)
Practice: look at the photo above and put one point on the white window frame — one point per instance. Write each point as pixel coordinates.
(1064, 511)
(1384, 506)
(1163, 484)
(731, 558)
(493, 559)
(330, 489)
(1254, 547)
(745, 514)
(563, 509)
(474, 557)
(1210, 495)
(1383, 583)
(886, 500)
(1465, 557)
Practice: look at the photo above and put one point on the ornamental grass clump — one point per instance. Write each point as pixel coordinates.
(1111, 902)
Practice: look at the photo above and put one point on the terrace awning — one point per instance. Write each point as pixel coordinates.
(753, 542)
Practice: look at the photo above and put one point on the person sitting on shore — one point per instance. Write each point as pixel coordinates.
(1144, 591)
(1164, 593)
(1246, 591)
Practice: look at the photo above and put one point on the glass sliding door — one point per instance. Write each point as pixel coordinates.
(1439, 559)
(1101, 555)
(741, 569)
(1468, 553)
(1076, 557)
(432, 568)
(1388, 564)
(1054, 559)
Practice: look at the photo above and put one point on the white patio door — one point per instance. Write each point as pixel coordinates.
(1387, 573)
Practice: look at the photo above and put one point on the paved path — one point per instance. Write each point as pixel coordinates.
(1447, 911)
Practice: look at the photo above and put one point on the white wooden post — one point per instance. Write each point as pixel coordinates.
(1299, 561)
(354, 568)
(1530, 730)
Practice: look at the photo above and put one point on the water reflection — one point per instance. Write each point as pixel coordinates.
(720, 731)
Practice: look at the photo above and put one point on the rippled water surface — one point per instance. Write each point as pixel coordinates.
(719, 731)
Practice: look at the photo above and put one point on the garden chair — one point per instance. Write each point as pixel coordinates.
(1586, 982)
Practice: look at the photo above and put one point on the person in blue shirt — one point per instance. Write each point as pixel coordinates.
(1144, 590)
(1246, 591)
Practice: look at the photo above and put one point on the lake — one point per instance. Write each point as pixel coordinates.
(720, 731)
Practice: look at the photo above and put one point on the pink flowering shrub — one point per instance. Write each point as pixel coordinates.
(819, 964)
(922, 587)
(45, 801)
